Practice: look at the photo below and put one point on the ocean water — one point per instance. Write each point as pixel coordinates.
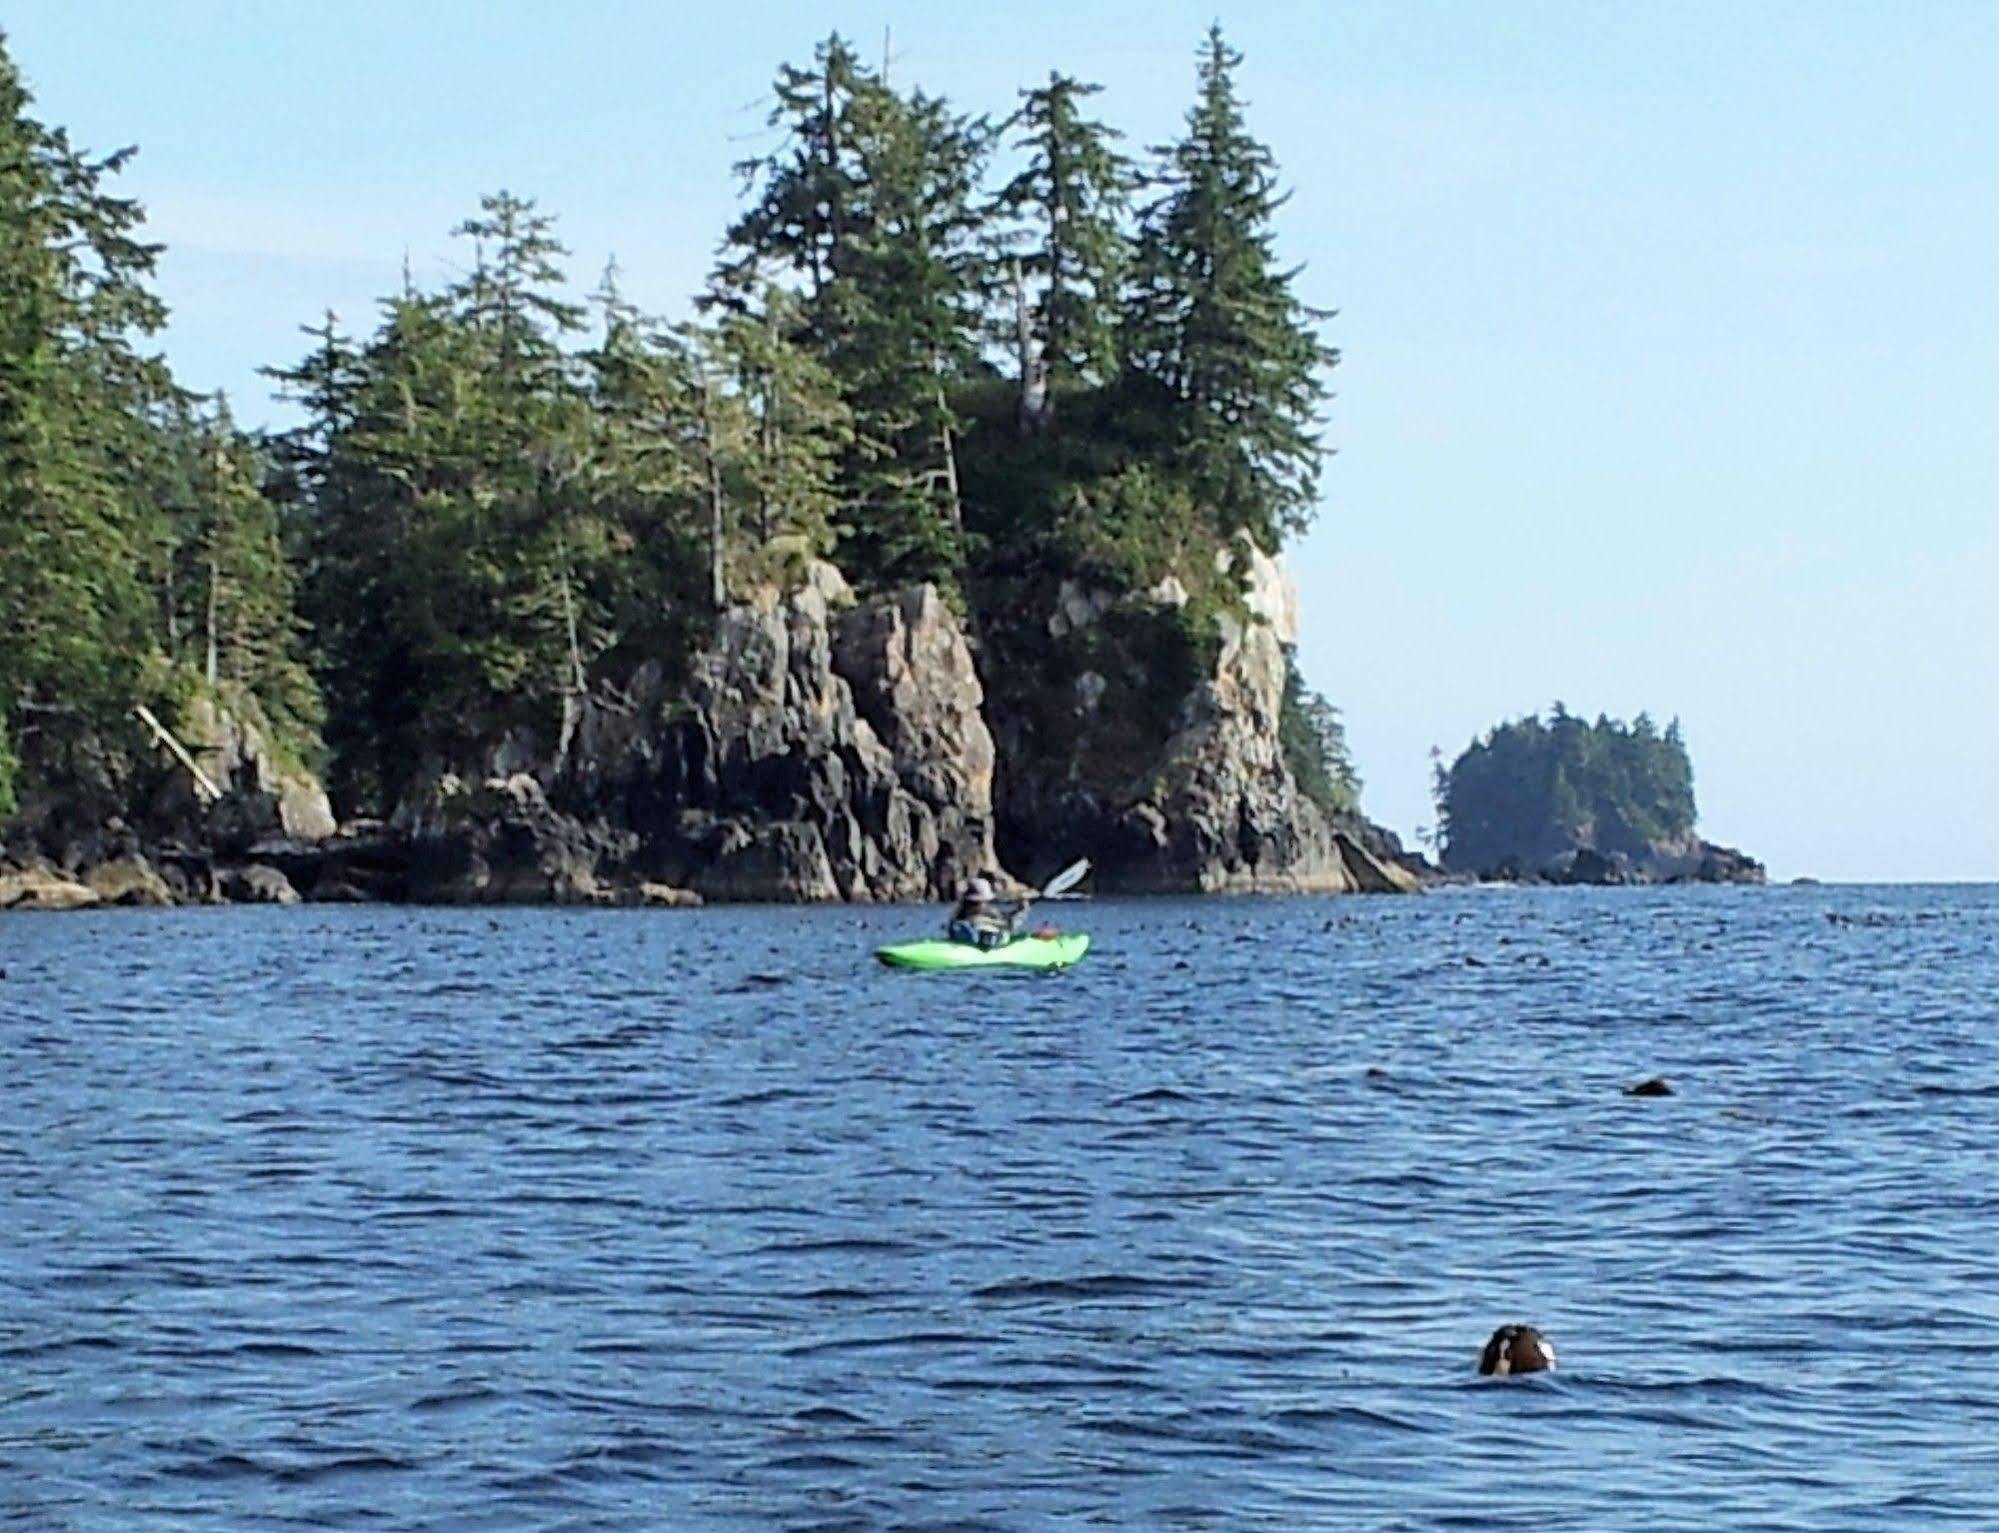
(394, 1219)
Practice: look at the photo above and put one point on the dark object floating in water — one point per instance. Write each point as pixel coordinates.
(1657, 1086)
(1516, 1349)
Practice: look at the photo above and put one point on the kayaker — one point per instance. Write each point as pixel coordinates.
(977, 919)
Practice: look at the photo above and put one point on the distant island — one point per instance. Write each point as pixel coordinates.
(946, 538)
(1568, 801)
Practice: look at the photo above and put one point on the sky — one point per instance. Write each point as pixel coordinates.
(1669, 331)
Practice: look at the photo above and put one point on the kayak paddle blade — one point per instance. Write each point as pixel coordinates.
(1066, 880)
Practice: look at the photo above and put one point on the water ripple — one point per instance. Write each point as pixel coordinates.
(436, 1220)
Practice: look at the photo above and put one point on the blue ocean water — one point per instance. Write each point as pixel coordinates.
(448, 1220)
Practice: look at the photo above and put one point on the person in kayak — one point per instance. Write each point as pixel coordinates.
(977, 918)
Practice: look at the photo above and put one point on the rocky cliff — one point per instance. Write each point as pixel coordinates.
(178, 844)
(819, 748)
(822, 749)
(1127, 740)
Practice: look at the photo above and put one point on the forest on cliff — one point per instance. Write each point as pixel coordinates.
(1529, 791)
(937, 347)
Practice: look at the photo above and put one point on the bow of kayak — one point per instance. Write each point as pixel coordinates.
(1021, 953)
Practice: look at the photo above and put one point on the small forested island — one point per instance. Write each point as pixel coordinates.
(945, 537)
(1568, 801)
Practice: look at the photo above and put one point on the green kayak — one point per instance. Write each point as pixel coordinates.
(1021, 953)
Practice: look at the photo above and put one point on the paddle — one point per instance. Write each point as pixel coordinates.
(1064, 881)
(1057, 886)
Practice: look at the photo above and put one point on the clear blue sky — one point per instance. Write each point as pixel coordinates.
(1671, 331)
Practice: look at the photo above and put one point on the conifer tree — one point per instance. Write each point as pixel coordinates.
(799, 423)
(801, 218)
(75, 538)
(232, 588)
(1216, 336)
(1069, 249)
(914, 310)
(8, 767)
(871, 201)
(1314, 740)
(641, 388)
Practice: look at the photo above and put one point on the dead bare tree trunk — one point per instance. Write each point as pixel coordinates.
(212, 666)
(1032, 412)
(575, 684)
(718, 587)
(950, 450)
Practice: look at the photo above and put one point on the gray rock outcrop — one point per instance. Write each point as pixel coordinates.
(35, 885)
(256, 884)
(823, 750)
(500, 842)
(820, 749)
(1690, 860)
(263, 794)
(1170, 791)
(129, 880)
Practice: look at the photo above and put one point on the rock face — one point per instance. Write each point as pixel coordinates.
(128, 880)
(1221, 811)
(262, 795)
(257, 885)
(1692, 861)
(773, 782)
(820, 750)
(37, 886)
(1161, 763)
(500, 843)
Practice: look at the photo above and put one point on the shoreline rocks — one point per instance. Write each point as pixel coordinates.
(1152, 744)
(820, 748)
(1693, 862)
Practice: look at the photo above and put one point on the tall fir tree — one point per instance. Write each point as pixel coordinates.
(800, 426)
(76, 539)
(9, 799)
(229, 598)
(871, 202)
(644, 424)
(915, 302)
(801, 215)
(1216, 336)
(1068, 247)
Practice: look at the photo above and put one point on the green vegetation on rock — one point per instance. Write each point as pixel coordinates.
(1315, 747)
(134, 534)
(8, 767)
(503, 499)
(1529, 792)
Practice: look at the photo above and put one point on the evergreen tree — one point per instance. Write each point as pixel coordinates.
(800, 424)
(913, 308)
(651, 476)
(1070, 250)
(800, 219)
(75, 538)
(513, 296)
(227, 587)
(1314, 740)
(872, 201)
(8, 767)
(1216, 337)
